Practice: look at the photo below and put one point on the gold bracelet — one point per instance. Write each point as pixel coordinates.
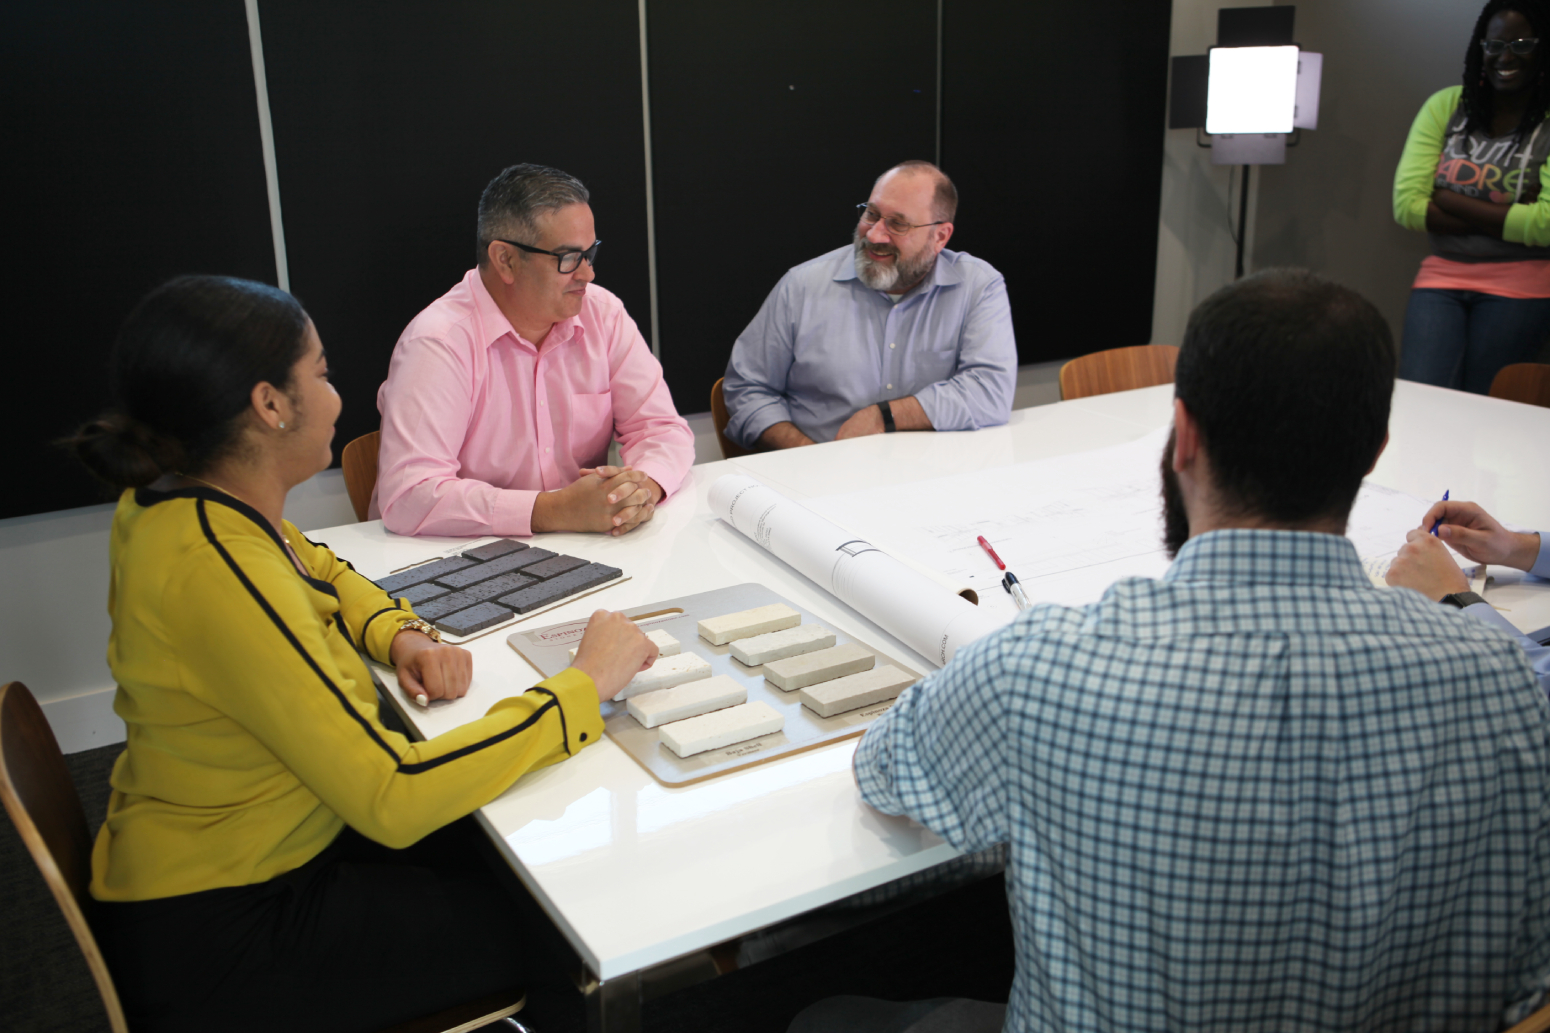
(423, 627)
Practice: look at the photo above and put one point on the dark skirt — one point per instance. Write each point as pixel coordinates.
(358, 938)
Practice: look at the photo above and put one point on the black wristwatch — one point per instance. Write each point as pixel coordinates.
(1461, 599)
(887, 411)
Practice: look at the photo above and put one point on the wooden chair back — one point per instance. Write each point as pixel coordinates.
(41, 800)
(719, 416)
(1118, 369)
(1526, 382)
(359, 462)
(1535, 1023)
(486, 1011)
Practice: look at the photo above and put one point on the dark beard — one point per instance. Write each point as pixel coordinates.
(1175, 520)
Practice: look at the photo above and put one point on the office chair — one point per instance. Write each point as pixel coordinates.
(1118, 369)
(719, 416)
(1526, 382)
(359, 463)
(37, 792)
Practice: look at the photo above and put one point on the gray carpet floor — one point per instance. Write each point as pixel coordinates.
(958, 944)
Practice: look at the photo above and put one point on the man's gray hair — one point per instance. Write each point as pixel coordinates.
(510, 205)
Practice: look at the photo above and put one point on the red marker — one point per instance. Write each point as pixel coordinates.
(986, 546)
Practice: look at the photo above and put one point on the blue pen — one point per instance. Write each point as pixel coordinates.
(1438, 522)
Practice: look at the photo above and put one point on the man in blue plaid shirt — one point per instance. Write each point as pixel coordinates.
(1259, 794)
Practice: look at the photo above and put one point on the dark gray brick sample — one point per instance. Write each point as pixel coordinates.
(494, 550)
(418, 594)
(478, 572)
(550, 567)
(536, 555)
(475, 618)
(395, 583)
(503, 585)
(556, 588)
(449, 603)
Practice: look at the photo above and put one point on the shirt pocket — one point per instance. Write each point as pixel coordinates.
(591, 427)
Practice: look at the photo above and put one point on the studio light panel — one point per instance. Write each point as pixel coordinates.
(1251, 90)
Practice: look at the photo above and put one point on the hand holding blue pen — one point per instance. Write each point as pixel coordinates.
(1438, 522)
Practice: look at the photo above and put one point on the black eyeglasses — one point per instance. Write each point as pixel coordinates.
(893, 224)
(1521, 47)
(569, 261)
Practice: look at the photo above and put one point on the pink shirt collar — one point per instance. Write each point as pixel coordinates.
(493, 324)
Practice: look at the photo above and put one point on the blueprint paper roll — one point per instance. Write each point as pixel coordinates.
(912, 607)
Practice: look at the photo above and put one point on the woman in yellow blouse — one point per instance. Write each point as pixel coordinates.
(271, 858)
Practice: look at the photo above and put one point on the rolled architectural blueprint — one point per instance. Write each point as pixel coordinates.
(912, 607)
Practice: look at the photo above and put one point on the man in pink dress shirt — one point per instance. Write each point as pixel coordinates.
(504, 394)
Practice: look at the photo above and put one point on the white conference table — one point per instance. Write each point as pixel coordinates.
(635, 874)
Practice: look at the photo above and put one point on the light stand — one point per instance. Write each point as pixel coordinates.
(1251, 93)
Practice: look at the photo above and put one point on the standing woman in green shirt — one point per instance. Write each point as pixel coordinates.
(275, 857)
(1474, 176)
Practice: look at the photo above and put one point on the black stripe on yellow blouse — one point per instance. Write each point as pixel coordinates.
(258, 597)
(397, 607)
(564, 729)
(408, 769)
(475, 747)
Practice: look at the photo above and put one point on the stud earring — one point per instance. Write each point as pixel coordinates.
(282, 424)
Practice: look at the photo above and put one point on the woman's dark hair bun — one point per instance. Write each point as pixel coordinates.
(183, 369)
(123, 452)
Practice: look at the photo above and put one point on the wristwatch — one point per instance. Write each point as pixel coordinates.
(887, 411)
(1461, 599)
(423, 627)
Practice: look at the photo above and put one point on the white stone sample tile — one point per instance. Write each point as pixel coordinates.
(685, 701)
(855, 690)
(796, 672)
(667, 645)
(722, 728)
(719, 631)
(777, 645)
(665, 673)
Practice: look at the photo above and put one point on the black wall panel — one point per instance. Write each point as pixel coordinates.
(131, 154)
(1052, 127)
(389, 120)
(769, 123)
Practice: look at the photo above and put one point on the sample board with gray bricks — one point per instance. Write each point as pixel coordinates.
(486, 586)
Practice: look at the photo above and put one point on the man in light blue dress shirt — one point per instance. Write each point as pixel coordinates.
(1425, 565)
(1259, 793)
(890, 332)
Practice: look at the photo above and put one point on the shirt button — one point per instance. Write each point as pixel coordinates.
(892, 345)
(549, 450)
(583, 736)
(890, 387)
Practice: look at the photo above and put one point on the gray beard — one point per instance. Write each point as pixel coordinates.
(887, 277)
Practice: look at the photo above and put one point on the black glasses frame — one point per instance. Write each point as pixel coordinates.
(590, 254)
(1521, 47)
(865, 209)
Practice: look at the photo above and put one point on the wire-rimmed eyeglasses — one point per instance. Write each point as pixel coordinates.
(896, 226)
